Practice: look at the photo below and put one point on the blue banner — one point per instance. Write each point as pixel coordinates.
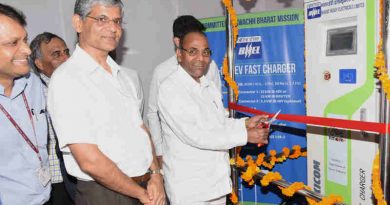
(269, 69)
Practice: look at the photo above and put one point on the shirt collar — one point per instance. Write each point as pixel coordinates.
(115, 68)
(19, 86)
(44, 79)
(191, 82)
(90, 65)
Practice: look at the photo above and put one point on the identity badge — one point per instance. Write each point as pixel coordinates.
(44, 175)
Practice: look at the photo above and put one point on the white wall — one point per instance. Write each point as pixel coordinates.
(42, 15)
(148, 30)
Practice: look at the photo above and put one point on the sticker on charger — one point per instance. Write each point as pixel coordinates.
(347, 76)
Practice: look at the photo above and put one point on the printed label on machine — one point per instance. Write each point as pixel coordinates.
(314, 11)
(337, 154)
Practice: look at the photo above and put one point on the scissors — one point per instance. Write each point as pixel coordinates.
(267, 124)
(273, 118)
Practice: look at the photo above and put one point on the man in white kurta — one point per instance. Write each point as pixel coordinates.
(197, 132)
(181, 25)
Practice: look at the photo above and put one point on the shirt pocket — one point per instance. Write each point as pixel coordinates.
(41, 128)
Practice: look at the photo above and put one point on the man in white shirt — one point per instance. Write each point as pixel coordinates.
(95, 112)
(197, 132)
(181, 25)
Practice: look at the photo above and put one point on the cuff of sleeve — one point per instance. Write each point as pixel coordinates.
(243, 140)
(237, 133)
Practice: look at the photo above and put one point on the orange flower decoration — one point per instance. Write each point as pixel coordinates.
(286, 151)
(270, 177)
(260, 159)
(239, 161)
(225, 70)
(250, 172)
(297, 152)
(380, 61)
(233, 197)
(376, 181)
(294, 187)
(304, 154)
(268, 165)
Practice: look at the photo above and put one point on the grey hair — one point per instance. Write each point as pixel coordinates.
(35, 46)
(84, 7)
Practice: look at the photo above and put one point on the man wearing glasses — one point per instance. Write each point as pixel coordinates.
(196, 130)
(95, 112)
(181, 25)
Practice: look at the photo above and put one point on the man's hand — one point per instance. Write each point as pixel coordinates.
(93, 162)
(255, 121)
(144, 197)
(258, 135)
(155, 189)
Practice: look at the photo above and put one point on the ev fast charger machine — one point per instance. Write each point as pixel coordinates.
(341, 39)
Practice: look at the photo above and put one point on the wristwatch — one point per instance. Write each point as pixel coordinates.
(156, 171)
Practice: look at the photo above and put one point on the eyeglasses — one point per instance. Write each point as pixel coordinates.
(104, 20)
(194, 52)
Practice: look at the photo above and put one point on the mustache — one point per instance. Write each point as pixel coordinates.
(200, 64)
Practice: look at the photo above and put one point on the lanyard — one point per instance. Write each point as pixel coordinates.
(23, 134)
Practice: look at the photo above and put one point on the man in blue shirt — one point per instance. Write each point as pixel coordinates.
(24, 173)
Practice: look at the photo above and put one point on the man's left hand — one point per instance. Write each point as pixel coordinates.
(155, 189)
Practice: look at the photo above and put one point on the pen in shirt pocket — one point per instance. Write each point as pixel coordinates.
(42, 111)
(34, 114)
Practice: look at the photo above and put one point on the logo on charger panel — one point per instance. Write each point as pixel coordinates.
(347, 76)
(249, 47)
(314, 12)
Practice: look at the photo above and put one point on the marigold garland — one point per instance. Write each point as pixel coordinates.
(380, 61)
(252, 169)
(233, 197)
(297, 152)
(274, 158)
(381, 70)
(293, 188)
(376, 181)
(233, 17)
(260, 159)
(239, 161)
(270, 177)
(381, 74)
(250, 172)
(310, 201)
(286, 151)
